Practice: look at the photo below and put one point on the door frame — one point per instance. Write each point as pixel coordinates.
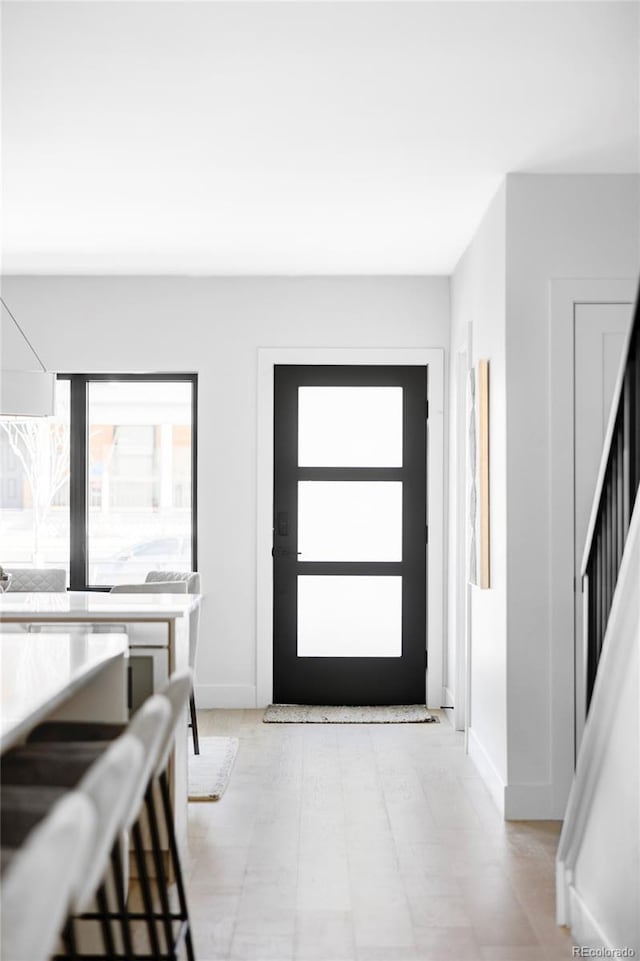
(460, 586)
(564, 295)
(433, 359)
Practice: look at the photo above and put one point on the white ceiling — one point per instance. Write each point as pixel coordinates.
(300, 137)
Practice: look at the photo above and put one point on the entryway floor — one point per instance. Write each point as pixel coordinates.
(364, 843)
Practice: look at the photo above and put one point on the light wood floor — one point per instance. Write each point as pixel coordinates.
(364, 843)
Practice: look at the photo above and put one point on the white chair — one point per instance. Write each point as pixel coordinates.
(176, 582)
(191, 578)
(177, 692)
(164, 587)
(168, 588)
(32, 772)
(66, 738)
(113, 784)
(141, 635)
(193, 582)
(46, 579)
(138, 633)
(109, 780)
(41, 879)
(151, 727)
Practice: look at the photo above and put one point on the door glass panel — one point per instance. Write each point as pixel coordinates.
(349, 616)
(350, 520)
(350, 426)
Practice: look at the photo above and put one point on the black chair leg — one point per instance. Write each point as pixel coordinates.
(194, 724)
(161, 877)
(121, 898)
(69, 940)
(175, 860)
(145, 889)
(105, 922)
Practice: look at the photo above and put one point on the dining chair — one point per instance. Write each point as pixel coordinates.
(46, 579)
(113, 783)
(150, 725)
(40, 879)
(177, 691)
(163, 587)
(194, 586)
(175, 582)
(109, 781)
(57, 764)
(77, 734)
(168, 588)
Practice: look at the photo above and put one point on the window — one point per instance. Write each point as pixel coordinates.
(34, 488)
(106, 488)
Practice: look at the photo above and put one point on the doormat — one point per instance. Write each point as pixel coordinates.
(310, 714)
(210, 770)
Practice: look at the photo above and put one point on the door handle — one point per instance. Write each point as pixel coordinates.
(283, 552)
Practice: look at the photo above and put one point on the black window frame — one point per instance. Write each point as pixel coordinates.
(78, 455)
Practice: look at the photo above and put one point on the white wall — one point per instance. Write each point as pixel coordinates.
(214, 326)
(538, 228)
(557, 226)
(607, 870)
(478, 299)
(598, 860)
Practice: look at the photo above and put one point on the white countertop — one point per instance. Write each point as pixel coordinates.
(41, 671)
(94, 606)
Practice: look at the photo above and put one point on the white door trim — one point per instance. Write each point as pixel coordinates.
(460, 585)
(564, 295)
(268, 357)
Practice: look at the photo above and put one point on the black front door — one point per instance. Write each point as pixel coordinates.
(349, 542)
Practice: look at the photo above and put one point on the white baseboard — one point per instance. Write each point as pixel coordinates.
(487, 770)
(225, 695)
(563, 883)
(573, 912)
(447, 698)
(529, 802)
(516, 802)
(585, 929)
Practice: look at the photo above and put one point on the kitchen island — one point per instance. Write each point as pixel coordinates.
(72, 677)
(155, 628)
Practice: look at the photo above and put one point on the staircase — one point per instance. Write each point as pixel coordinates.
(598, 860)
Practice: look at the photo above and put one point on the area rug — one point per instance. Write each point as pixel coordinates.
(309, 714)
(210, 770)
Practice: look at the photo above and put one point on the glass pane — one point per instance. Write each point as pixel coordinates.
(34, 488)
(139, 477)
(350, 520)
(349, 616)
(350, 426)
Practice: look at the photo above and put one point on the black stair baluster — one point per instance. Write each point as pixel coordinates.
(613, 506)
